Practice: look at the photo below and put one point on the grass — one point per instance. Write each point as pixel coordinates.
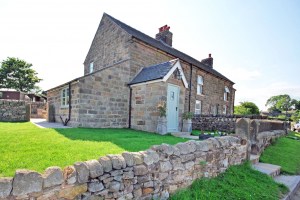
(285, 153)
(25, 146)
(238, 182)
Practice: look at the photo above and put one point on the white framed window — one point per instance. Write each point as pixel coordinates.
(199, 85)
(198, 107)
(226, 93)
(91, 67)
(65, 97)
(214, 110)
(224, 109)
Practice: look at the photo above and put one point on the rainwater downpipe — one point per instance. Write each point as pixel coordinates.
(70, 98)
(190, 93)
(129, 112)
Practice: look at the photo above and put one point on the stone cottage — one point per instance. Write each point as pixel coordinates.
(127, 73)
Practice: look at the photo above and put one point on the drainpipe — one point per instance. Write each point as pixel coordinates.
(70, 98)
(129, 112)
(190, 93)
(233, 99)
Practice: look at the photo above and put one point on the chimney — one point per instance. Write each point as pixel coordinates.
(208, 61)
(165, 35)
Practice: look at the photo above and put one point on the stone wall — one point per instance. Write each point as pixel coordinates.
(110, 45)
(104, 97)
(212, 123)
(57, 110)
(150, 174)
(38, 110)
(143, 55)
(14, 110)
(259, 133)
(145, 98)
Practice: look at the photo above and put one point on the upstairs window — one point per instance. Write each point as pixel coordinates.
(226, 93)
(199, 85)
(91, 67)
(65, 97)
(198, 107)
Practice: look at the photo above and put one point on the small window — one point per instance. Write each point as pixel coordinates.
(198, 107)
(199, 85)
(65, 97)
(226, 93)
(214, 110)
(91, 67)
(1, 95)
(224, 109)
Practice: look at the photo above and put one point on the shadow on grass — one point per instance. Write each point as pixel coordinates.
(128, 139)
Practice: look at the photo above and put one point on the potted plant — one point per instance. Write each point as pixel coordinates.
(162, 120)
(187, 121)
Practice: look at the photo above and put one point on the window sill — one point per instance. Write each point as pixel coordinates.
(64, 107)
(202, 95)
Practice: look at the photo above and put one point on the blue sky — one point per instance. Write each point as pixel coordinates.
(254, 43)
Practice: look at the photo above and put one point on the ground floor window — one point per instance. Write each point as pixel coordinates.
(224, 109)
(65, 97)
(198, 107)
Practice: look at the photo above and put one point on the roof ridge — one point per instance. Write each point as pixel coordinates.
(166, 48)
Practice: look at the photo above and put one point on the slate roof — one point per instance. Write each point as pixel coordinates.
(166, 48)
(153, 72)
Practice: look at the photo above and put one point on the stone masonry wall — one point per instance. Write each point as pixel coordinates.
(212, 123)
(143, 55)
(145, 98)
(259, 133)
(38, 109)
(104, 98)
(54, 101)
(109, 46)
(150, 174)
(14, 110)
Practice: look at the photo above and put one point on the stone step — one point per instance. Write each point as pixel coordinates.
(292, 182)
(254, 159)
(269, 169)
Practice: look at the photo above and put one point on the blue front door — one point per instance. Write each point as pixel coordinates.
(172, 108)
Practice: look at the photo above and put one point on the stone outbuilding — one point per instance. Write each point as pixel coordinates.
(127, 73)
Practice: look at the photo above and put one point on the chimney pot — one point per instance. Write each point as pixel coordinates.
(165, 35)
(209, 55)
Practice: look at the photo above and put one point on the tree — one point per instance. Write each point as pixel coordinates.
(296, 116)
(281, 102)
(246, 108)
(17, 74)
(297, 105)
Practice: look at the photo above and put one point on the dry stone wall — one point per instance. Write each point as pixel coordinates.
(212, 123)
(14, 110)
(150, 174)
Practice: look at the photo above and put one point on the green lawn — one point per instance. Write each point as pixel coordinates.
(23, 145)
(285, 152)
(238, 182)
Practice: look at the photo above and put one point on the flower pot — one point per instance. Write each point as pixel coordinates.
(162, 125)
(187, 125)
